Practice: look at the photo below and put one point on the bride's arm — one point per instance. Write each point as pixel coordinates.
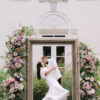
(52, 68)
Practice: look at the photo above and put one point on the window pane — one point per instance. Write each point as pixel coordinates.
(47, 51)
(60, 50)
(47, 36)
(60, 61)
(59, 35)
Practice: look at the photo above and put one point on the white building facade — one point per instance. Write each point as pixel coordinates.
(83, 15)
(54, 24)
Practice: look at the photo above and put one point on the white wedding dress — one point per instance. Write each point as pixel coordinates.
(56, 91)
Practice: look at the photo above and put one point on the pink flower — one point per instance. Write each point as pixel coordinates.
(12, 96)
(10, 56)
(18, 43)
(20, 60)
(94, 99)
(82, 93)
(88, 87)
(7, 61)
(16, 74)
(18, 65)
(89, 92)
(88, 58)
(14, 39)
(93, 67)
(82, 74)
(12, 80)
(4, 94)
(92, 79)
(11, 90)
(16, 84)
(5, 84)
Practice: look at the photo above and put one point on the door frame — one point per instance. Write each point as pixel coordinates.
(75, 64)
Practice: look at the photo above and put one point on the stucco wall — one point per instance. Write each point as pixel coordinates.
(84, 15)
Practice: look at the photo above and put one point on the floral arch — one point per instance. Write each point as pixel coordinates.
(13, 86)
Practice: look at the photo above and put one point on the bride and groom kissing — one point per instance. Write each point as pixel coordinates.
(48, 70)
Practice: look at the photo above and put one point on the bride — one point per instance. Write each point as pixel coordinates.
(56, 91)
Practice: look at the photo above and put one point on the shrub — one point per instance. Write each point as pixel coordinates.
(67, 82)
(40, 88)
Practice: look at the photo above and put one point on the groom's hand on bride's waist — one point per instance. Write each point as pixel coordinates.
(53, 67)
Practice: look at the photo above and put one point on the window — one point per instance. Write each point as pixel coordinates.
(56, 36)
(47, 51)
(60, 55)
(59, 35)
(47, 36)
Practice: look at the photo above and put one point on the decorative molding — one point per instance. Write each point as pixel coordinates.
(53, 21)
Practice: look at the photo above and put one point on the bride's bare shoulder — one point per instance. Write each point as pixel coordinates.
(41, 68)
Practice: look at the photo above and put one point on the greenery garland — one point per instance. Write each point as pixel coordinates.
(13, 86)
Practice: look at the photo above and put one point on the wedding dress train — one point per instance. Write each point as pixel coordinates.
(56, 91)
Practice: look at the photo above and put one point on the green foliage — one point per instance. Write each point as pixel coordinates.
(2, 77)
(67, 82)
(40, 88)
(61, 65)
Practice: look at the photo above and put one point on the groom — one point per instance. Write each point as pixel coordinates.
(44, 61)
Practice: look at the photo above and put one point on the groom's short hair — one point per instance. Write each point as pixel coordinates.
(43, 57)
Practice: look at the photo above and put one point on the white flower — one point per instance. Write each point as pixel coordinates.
(23, 40)
(15, 53)
(20, 87)
(87, 78)
(18, 65)
(92, 79)
(21, 79)
(8, 77)
(92, 91)
(82, 74)
(98, 82)
(12, 90)
(15, 74)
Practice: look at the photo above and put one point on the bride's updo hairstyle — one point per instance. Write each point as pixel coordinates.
(39, 65)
